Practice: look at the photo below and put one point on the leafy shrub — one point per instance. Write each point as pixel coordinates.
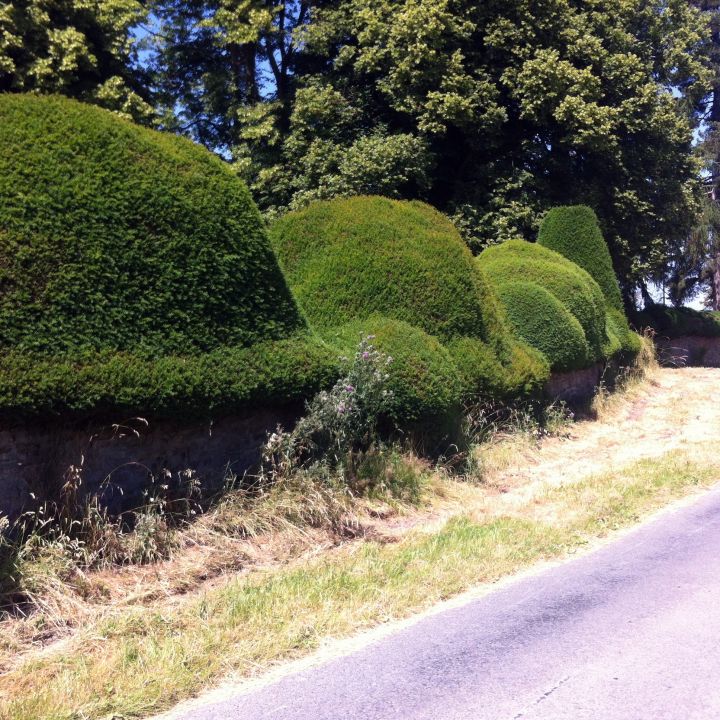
(347, 259)
(340, 421)
(226, 379)
(424, 383)
(517, 260)
(337, 441)
(674, 322)
(573, 231)
(542, 321)
(523, 376)
(116, 237)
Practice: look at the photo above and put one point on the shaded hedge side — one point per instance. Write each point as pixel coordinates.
(574, 232)
(225, 380)
(522, 375)
(675, 322)
(542, 321)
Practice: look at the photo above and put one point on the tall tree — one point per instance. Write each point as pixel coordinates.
(80, 48)
(493, 111)
(221, 65)
(522, 105)
(695, 264)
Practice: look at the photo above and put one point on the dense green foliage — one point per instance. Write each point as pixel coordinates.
(574, 232)
(399, 270)
(517, 260)
(115, 237)
(605, 328)
(349, 258)
(620, 335)
(543, 322)
(522, 375)
(226, 379)
(135, 275)
(79, 49)
(424, 381)
(492, 111)
(675, 322)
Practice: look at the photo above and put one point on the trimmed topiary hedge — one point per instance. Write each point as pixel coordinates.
(675, 322)
(523, 375)
(136, 275)
(517, 260)
(116, 237)
(574, 231)
(349, 258)
(424, 381)
(227, 379)
(542, 321)
(619, 333)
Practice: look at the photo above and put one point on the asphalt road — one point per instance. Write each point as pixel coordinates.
(630, 631)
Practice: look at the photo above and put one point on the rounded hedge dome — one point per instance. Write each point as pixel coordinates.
(517, 260)
(574, 232)
(346, 259)
(543, 322)
(117, 237)
(423, 379)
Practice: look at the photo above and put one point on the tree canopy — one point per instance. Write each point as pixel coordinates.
(493, 112)
(85, 50)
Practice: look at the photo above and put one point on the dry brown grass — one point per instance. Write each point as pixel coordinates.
(137, 661)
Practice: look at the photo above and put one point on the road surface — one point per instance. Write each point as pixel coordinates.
(630, 631)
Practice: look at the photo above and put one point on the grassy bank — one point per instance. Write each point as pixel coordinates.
(141, 661)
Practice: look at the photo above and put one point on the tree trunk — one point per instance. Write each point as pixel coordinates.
(715, 289)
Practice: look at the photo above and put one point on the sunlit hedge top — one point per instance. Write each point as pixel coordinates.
(517, 260)
(574, 232)
(347, 259)
(115, 237)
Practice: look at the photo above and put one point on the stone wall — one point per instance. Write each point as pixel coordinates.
(690, 350)
(119, 461)
(575, 387)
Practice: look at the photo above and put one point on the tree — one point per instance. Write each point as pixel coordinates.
(221, 66)
(521, 106)
(85, 50)
(491, 111)
(695, 263)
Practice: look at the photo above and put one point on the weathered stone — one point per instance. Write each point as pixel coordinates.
(689, 350)
(120, 462)
(576, 386)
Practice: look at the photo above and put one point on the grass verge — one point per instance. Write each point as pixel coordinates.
(141, 661)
